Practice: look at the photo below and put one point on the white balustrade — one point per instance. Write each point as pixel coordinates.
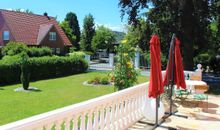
(116, 111)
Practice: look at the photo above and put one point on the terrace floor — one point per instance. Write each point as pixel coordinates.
(199, 118)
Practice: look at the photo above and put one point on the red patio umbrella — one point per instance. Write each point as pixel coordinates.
(155, 86)
(174, 71)
(179, 79)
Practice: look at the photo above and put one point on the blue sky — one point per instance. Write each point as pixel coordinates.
(105, 12)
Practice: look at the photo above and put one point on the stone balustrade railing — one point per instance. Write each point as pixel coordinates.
(116, 111)
(191, 75)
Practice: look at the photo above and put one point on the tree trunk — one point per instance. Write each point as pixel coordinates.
(187, 22)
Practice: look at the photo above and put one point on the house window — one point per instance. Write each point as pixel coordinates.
(52, 36)
(58, 50)
(6, 35)
(53, 50)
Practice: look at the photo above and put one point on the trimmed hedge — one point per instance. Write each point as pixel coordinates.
(40, 68)
(38, 52)
(15, 48)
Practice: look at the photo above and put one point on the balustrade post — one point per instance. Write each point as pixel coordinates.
(137, 60)
(111, 60)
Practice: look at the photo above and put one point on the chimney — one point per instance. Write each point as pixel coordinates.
(45, 14)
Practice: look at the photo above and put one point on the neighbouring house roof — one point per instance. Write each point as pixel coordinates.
(31, 28)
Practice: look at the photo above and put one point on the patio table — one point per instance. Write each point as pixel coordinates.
(191, 83)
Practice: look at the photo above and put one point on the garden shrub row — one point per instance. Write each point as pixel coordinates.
(15, 48)
(40, 68)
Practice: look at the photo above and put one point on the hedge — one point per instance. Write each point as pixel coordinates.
(39, 51)
(40, 68)
(15, 48)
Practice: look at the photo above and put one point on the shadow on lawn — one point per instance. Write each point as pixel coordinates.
(30, 89)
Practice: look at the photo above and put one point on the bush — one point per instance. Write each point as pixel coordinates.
(203, 58)
(39, 52)
(1, 55)
(99, 80)
(125, 74)
(78, 54)
(14, 48)
(215, 63)
(25, 75)
(10, 69)
(41, 67)
(104, 80)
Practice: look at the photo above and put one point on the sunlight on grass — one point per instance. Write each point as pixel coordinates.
(53, 94)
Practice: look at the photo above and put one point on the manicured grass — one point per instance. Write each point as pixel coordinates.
(53, 94)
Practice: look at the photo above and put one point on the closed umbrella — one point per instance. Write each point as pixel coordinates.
(155, 86)
(174, 71)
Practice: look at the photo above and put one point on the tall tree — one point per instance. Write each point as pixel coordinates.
(87, 33)
(74, 25)
(187, 18)
(104, 38)
(68, 31)
(139, 35)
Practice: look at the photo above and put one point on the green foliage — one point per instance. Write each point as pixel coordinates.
(39, 51)
(68, 31)
(104, 38)
(25, 75)
(203, 58)
(1, 55)
(187, 18)
(99, 80)
(41, 67)
(215, 63)
(78, 54)
(72, 20)
(104, 80)
(119, 36)
(87, 33)
(140, 35)
(14, 48)
(125, 74)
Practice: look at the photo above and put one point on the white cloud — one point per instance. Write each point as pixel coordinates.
(118, 27)
(21, 10)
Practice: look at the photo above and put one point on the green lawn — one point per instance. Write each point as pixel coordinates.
(53, 94)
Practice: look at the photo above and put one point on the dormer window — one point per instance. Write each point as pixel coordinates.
(52, 36)
(6, 35)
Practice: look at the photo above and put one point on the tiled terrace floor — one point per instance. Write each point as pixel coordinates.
(199, 118)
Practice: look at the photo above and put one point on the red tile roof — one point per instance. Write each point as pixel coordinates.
(29, 28)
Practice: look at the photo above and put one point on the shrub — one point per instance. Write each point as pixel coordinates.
(125, 74)
(99, 80)
(38, 52)
(78, 54)
(25, 76)
(215, 63)
(10, 69)
(1, 55)
(40, 67)
(104, 80)
(14, 48)
(203, 58)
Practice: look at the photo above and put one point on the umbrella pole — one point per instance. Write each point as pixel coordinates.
(171, 81)
(157, 105)
(172, 73)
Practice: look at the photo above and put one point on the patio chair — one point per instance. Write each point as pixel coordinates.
(182, 95)
(200, 93)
